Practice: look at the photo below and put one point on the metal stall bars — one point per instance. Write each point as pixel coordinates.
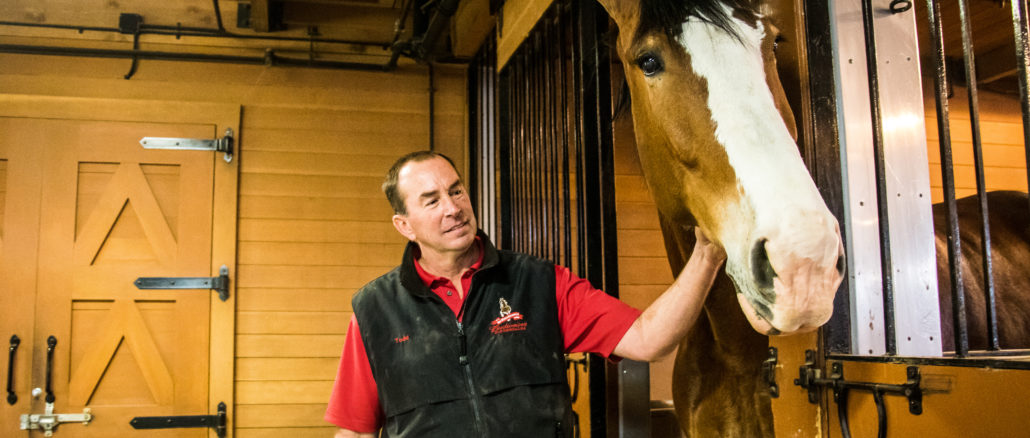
(483, 166)
(541, 148)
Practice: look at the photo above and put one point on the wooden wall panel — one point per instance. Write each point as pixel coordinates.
(313, 224)
(1001, 136)
(644, 271)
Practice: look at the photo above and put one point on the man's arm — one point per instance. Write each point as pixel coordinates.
(666, 321)
(344, 433)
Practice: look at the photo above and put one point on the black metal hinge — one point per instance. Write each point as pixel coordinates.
(216, 422)
(219, 283)
(769, 372)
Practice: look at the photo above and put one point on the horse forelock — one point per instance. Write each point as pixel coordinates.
(668, 15)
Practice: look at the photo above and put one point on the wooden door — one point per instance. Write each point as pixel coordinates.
(109, 212)
(20, 182)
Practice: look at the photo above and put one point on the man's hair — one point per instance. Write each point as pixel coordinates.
(390, 183)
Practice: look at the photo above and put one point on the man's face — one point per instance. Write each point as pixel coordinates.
(439, 216)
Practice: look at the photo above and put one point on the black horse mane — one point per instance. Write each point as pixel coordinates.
(669, 15)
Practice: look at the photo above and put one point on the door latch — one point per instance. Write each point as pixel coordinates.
(219, 283)
(224, 144)
(810, 377)
(48, 421)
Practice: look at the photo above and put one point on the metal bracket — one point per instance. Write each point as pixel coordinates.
(224, 144)
(216, 422)
(49, 421)
(769, 372)
(219, 283)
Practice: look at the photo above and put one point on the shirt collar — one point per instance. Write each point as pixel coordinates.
(431, 281)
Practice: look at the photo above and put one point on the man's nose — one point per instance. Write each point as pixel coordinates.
(450, 207)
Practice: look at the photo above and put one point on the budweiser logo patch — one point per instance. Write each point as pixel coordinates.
(509, 321)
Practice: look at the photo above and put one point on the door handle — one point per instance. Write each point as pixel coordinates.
(12, 398)
(51, 342)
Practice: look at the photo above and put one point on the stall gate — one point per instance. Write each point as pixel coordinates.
(881, 359)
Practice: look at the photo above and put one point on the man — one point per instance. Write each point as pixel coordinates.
(465, 340)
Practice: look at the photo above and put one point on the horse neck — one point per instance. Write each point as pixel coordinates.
(717, 378)
(731, 335)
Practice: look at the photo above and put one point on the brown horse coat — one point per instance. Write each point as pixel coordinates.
(1009, 214)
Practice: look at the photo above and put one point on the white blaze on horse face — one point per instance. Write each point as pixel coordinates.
(791, 227)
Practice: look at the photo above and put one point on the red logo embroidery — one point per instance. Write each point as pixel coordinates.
(404, 338)
(508, 322)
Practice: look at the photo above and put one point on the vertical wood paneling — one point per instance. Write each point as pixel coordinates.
(313, 225)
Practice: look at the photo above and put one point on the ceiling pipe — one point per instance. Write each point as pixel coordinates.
(180, 31)
(421, 48)
(270, 58)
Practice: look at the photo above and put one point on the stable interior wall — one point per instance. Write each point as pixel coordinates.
(644, 271)
(1001, 134)
(313, 224)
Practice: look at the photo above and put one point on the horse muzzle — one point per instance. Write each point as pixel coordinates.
(791, 284)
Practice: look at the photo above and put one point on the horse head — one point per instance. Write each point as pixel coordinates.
(717, 142)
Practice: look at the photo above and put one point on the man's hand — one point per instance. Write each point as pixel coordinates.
(706, 249)
(663, 324)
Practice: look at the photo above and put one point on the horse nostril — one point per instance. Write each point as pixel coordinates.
(761, 268)
(841, 264)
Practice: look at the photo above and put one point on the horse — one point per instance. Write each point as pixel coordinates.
(1010, 255)
(717, 144)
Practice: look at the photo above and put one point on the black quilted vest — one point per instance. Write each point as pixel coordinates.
(501, 373)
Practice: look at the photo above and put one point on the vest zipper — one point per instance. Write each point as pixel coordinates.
(464, 361)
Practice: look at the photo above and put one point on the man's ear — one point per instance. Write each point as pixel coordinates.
(400, 222)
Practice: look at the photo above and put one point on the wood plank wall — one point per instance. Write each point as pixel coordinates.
(1001, 133)
(313, 225)
(644, 271)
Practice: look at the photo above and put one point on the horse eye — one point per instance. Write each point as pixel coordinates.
(650, 64)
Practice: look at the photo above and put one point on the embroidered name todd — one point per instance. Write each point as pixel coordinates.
(508, 321)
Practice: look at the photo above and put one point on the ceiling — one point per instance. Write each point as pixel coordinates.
(361, 30)
(990, 23)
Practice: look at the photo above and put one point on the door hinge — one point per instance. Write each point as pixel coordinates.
(216, 422)
(224, 144)
(48, 421)
(219, 283)
(769, 372)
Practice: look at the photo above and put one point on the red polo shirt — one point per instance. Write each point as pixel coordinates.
(591, 321)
